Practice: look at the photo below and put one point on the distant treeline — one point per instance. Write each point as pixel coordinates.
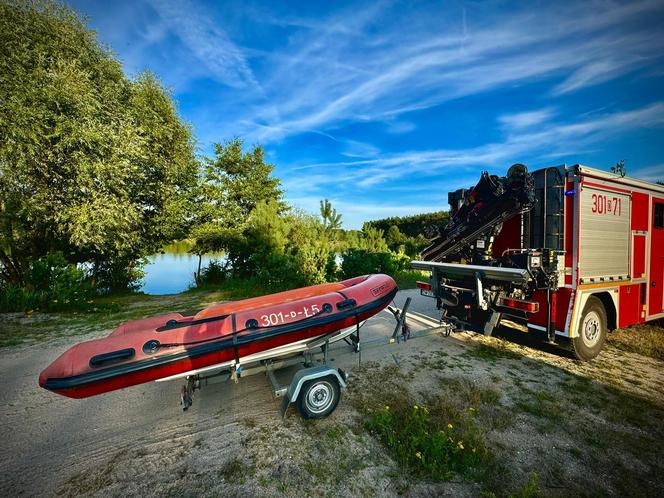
(412, 226)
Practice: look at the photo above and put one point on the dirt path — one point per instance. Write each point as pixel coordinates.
(233, 441)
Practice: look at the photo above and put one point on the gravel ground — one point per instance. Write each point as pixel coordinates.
(558, 415)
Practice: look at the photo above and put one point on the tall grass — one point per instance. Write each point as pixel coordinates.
(427, 445)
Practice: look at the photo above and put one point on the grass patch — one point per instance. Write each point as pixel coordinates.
(235, 471)
(646, 339)
(437, 434)
(417, 439)
(93, 482)
(542, 405)
(336, 433)
(492, 353)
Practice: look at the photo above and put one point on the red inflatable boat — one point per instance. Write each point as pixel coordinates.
(155, 348)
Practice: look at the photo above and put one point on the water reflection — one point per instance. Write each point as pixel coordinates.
(173, 270)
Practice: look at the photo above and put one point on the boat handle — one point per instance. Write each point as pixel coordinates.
(102, 359)
(346, 303)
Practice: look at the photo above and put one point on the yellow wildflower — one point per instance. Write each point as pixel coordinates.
(387, 407)
(460, 445)
(419, 455)
(449, 426)
(416, 407)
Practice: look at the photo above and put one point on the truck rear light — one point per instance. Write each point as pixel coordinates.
(423, 285)
(519, 304)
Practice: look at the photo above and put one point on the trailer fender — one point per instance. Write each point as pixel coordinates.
(305, 375)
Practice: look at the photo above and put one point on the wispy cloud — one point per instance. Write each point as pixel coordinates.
(362, 76)
(359, 64)
(527, 119)
(547, 140)
(208, 42)
(653, 173)
(384, 108)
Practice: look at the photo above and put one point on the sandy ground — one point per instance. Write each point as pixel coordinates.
(233, 440)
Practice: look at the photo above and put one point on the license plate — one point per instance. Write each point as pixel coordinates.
(427, 293)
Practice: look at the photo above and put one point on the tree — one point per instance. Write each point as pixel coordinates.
(91, 163)
(280, 249)
(394, 238)
(373, 240)
(234, 182)
(331, 219)
(411, 226)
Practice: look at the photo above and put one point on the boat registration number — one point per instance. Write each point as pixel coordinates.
(271, 319)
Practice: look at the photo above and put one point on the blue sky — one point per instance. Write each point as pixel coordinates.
(383, 107)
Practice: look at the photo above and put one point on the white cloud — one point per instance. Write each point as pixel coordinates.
(398, 127)
(528, 119)
(546, 141)
(651, 173)
(208, 42)
(323, 80)
(378, 62)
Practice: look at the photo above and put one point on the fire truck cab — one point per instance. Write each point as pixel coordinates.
(569, 250)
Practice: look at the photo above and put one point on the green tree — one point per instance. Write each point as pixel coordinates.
(394, 238)
(373, 240)
(281, 249)
(331, 219)
(411, 226)
(91, 163)
(234, 182)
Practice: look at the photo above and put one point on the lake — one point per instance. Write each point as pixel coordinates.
(173, 270)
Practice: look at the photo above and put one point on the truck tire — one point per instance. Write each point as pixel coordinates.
(592, 330)
(318, 397)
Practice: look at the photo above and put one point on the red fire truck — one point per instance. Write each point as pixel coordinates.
(568, 250)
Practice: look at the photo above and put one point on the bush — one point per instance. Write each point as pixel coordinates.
(358, 262)
(213, 274)
(279, 250)
(118, 275)
(427, 446)
(51, 284)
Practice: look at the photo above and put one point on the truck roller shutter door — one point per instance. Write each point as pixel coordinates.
(604, 235)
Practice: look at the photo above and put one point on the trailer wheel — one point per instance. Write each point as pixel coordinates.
(319, 397)
(592, 331)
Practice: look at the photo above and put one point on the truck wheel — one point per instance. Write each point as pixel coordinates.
(318, 397)
(592, 331)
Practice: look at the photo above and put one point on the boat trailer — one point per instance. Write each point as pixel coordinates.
(315, 388)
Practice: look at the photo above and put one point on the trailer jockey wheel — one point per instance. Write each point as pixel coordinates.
(318, 397)
(592, 330)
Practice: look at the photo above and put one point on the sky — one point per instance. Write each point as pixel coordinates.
(385, 106)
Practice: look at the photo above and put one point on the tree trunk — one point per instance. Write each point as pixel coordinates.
(197, 274)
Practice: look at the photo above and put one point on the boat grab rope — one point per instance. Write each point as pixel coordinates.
(154, 345)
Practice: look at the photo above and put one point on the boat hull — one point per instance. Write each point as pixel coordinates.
(190, 343)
